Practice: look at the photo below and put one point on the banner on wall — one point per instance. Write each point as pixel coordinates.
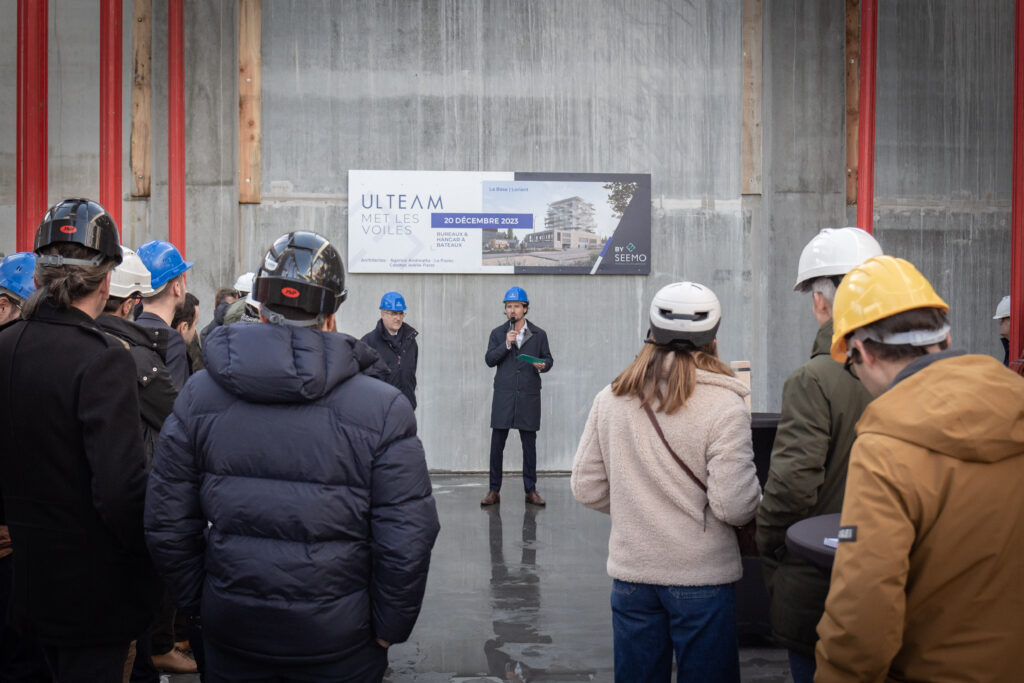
(468, 222)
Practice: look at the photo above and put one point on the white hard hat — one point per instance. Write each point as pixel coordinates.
(685, 312)
(244, 282)
(131, 276)
(834, 252)
(1003, 309)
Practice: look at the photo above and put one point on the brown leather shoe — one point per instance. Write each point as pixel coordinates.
(175, 661)
(491, 498)
(533, 498)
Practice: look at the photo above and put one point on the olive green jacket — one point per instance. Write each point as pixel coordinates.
(821, 403)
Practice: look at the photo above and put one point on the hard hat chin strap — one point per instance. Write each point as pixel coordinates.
(912, 337)
(275, 318)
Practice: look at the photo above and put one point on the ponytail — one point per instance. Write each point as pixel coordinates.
(63, 285)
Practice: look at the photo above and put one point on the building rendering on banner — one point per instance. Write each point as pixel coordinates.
(569, 224)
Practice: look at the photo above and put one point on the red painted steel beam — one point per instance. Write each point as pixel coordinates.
(32, 112)
(110, 107)
(176, 123)
(866, 115)
(1017, 197)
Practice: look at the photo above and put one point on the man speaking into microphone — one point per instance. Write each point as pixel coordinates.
(521, 353)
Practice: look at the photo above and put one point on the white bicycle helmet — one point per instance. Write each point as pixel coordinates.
(685, 312)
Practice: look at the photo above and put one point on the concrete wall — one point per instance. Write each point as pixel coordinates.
(943, 163)
(576, 86)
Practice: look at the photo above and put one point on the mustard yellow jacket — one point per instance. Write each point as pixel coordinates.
(932, 587)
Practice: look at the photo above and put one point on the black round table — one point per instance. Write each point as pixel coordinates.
(806, 539)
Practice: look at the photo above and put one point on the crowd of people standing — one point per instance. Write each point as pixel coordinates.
(272, 518)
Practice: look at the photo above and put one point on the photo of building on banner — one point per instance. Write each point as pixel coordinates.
(463, 222)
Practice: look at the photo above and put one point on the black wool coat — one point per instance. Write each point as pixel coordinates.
(400, 353)
(148, 347)
(73, 476)
(515, 403)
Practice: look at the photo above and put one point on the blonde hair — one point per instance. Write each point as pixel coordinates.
(65, 284)
(672, 368)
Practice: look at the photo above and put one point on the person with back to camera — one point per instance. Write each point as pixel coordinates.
(515, 403)
(21, 658)
(672, 551)
(928, 579)
(168, 279)
(821, 403)
(73, 470)
(130, 280)
(289, 503)
(16, 284)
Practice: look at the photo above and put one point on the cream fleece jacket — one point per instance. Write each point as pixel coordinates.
(661, 532)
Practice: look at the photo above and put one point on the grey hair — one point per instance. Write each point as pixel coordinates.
(826, 286)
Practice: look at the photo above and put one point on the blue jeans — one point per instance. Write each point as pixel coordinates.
(801, 667)
(697, 622)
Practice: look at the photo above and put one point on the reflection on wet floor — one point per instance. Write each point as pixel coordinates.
(518, 593)
(515, 598)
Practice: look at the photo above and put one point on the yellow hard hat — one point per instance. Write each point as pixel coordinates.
(878, 288)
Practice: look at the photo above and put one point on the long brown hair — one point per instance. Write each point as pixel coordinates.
(672, 368)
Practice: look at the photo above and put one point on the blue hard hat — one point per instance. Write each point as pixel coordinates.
(16, 274)
(163, 261)
(516, 294)
(392, 301)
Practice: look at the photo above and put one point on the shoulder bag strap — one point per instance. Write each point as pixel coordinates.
(698, 482)
(657, 428)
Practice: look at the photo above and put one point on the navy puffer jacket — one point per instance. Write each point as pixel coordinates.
(315, 487)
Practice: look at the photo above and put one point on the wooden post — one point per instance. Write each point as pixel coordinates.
(250, 101)
(852, 96)
(742, 370)
(752, 83)
(142, 96)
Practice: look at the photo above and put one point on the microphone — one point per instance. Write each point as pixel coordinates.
(512, 326)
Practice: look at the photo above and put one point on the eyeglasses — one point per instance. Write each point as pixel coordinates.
(852, 360)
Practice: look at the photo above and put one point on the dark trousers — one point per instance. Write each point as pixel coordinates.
(529, 439)
(21, 657)
(158, 639)
(143, 670)
(368, 665)
(98, 664)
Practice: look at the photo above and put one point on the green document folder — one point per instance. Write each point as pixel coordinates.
(530, 359)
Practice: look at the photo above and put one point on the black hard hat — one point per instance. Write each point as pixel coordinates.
(79, 221)
(301, 270)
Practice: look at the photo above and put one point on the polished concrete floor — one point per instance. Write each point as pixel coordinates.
(520, 593)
